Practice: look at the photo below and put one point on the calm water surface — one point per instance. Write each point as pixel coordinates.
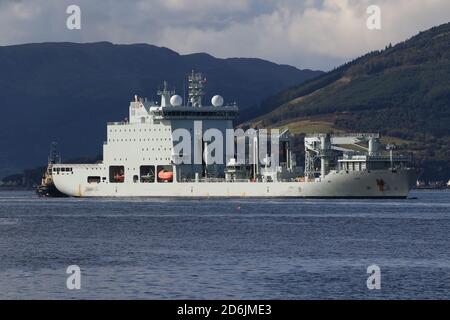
(213, 249)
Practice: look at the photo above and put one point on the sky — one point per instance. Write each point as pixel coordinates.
(313, 34)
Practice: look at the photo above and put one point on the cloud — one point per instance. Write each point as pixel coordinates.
(318, 34)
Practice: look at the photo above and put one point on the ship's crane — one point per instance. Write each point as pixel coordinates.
(320, 146)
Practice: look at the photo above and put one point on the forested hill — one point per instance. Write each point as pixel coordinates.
(402, 92)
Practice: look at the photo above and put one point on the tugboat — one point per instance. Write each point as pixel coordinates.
(47, 188)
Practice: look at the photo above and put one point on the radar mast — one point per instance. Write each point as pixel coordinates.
(196, 88)
(165, 95)
(54, 156)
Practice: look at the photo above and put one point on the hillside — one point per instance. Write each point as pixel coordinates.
(402, 92)
(66, 92)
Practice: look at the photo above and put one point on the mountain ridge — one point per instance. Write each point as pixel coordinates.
(403, 92)
(352, 70)
(66, 92)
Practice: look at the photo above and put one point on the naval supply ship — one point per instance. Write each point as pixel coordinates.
(140, 158)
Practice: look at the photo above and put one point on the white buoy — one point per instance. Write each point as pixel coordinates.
(217, 101)
(176, 101)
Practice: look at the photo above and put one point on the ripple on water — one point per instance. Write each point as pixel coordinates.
(217, 248)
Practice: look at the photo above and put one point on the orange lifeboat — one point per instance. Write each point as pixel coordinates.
(119, 177)
(166, 176)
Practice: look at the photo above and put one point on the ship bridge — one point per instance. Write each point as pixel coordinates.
(145, 142)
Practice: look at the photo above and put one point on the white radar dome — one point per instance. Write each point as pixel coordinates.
(176, 100)
(217, 101)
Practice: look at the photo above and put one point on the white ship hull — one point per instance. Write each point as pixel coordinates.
(362, 184)
(168, 141)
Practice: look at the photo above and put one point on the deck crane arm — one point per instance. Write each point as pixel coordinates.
(319, 146)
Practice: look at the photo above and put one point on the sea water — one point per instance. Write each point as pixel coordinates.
(152, 248)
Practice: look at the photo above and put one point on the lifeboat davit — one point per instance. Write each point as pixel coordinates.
(165, 175)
